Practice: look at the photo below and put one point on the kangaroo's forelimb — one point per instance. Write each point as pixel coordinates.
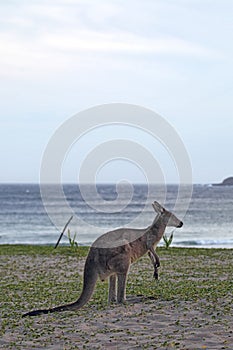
(155, 261)
(111, 255)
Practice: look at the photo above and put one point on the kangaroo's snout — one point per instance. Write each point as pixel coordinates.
(114, 260)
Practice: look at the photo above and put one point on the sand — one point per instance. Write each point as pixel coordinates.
(142, 323)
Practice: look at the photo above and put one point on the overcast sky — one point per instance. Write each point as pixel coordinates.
(60, 57)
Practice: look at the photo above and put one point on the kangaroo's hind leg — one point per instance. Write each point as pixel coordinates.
(112, 289)
(119, 265)
(121, 287)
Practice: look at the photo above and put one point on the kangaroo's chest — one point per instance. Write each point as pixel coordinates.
(137, 250)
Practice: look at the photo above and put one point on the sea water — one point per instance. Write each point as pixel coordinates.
(26, 219)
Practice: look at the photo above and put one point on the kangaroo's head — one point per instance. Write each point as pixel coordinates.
(168, 218)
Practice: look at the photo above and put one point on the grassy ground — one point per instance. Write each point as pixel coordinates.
(196, 284)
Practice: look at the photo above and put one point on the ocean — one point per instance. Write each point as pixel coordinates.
(26, 219)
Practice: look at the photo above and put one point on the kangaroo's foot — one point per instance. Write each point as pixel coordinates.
(112, 300)
(156, 273)
(121, 301)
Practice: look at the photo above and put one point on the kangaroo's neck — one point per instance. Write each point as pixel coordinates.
(158, 226)
(155, 231)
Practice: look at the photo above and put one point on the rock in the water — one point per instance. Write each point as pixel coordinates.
(226, 182)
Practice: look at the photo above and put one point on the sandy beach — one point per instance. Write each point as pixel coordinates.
(190, 307)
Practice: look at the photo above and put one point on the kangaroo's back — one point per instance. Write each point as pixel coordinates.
(111, 256)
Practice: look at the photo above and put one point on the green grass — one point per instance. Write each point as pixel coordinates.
(39, 276)
(187, 274)
(21, 249)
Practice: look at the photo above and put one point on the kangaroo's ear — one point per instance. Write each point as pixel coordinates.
(158, 208)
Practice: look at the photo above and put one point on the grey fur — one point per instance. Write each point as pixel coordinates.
(112, 253)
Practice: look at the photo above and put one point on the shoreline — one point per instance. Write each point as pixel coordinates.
(190, 307)
(160, 246)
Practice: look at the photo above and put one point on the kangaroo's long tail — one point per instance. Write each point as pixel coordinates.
(89, 281)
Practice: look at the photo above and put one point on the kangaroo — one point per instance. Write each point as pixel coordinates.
(111, 255)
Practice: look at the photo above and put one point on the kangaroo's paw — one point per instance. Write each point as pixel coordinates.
(156, 274)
